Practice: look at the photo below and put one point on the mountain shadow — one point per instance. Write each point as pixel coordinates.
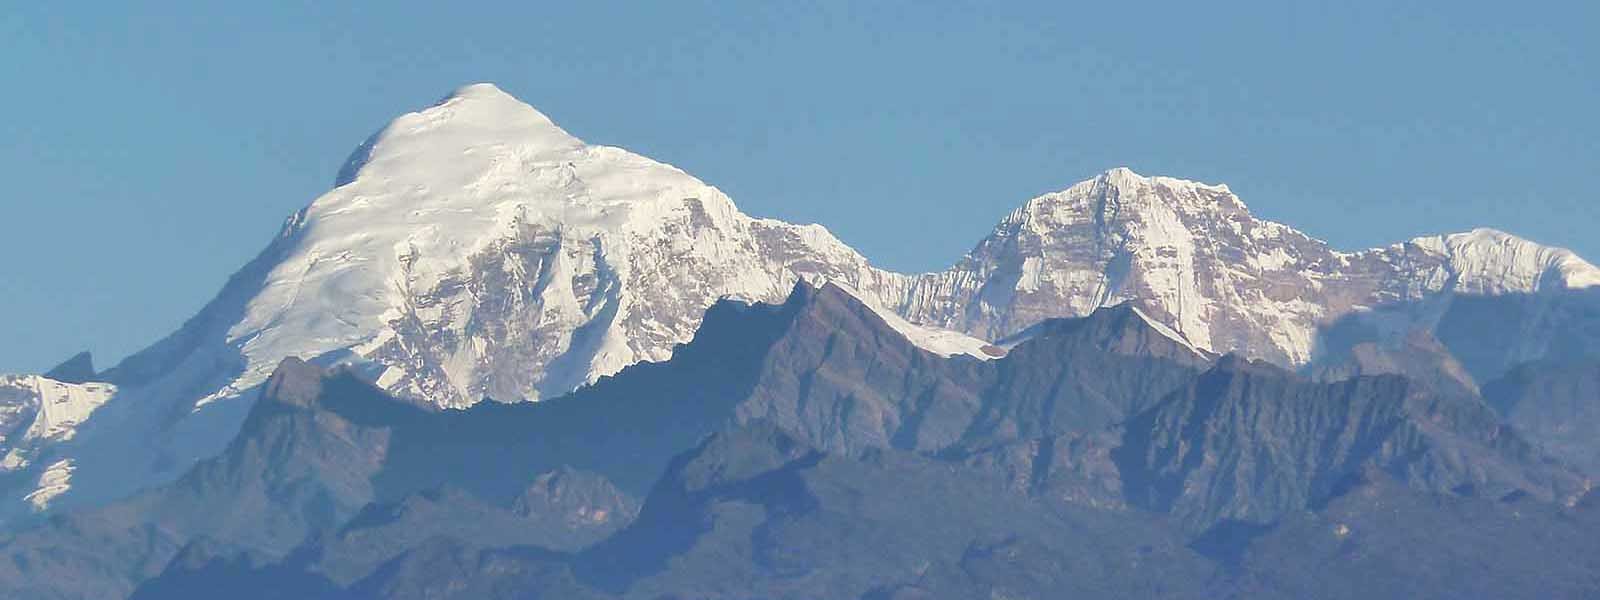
(1486, 336)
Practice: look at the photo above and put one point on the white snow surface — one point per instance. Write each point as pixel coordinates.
(1487, 261)
(36, 411)
(36, 415)
(474, 250)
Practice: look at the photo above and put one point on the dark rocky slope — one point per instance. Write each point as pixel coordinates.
(1100, 457)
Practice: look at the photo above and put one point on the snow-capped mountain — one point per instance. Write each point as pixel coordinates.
(1194, 257)
(471, 250)
(475, 250)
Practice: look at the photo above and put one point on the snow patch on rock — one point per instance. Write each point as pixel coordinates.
(1167, 332)
(53, 482)
(942, 342)
(37, 412)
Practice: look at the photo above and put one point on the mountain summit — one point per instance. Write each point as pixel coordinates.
(1192, 256)
(475, 249)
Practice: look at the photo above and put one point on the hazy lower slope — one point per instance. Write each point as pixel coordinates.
(1097, 457)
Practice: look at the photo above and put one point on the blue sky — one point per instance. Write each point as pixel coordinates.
(148, 152)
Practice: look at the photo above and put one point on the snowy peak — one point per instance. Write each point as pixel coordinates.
(477, 123)
(1200, 263)
(1122, 195)
(1125, 179)
(476, 249)
(477, 182)
(485, 91)
(1114, 238)
(1489, 261)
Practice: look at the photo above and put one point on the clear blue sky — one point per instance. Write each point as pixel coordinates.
(147, 153)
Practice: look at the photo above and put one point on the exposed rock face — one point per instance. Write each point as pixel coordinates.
(577, 500)
(1249, 442)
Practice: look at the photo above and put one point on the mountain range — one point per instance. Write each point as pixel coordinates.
(496, 361)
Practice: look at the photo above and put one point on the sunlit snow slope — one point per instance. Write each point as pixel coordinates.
(477, 249)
